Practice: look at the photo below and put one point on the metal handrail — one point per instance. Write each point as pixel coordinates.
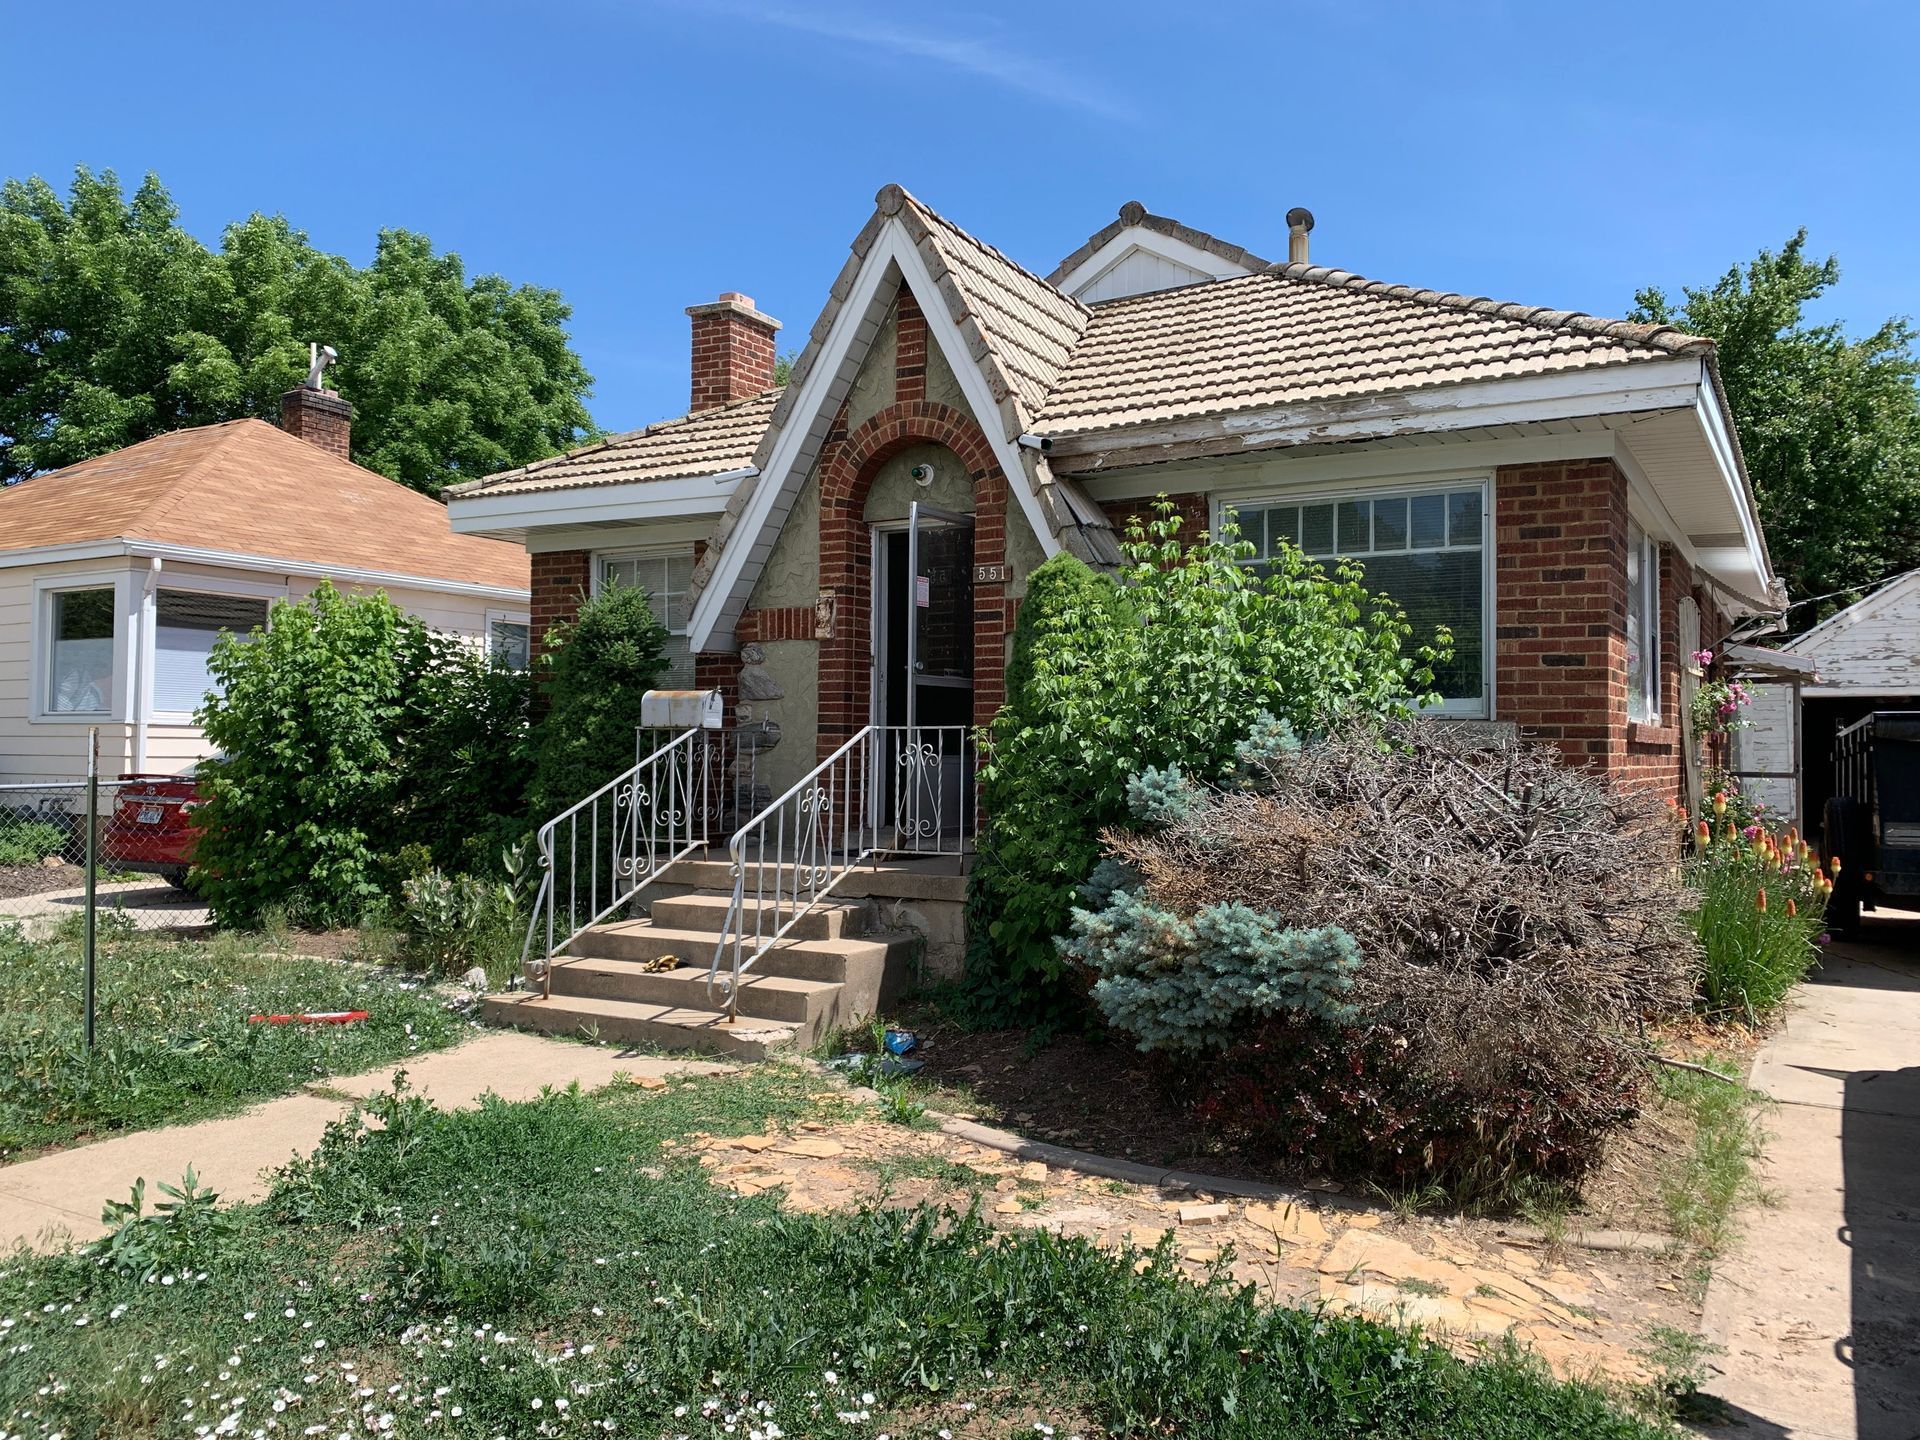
(627, 832)
(890, 789)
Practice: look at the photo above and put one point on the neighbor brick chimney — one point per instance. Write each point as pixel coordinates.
(732, 350)
(315, 413)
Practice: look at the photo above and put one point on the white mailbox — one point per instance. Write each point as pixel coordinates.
(682, 710)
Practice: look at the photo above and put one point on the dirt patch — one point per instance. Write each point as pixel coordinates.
(1469, 1282)
(325, 944)
(18, 880)
(1083, 1091)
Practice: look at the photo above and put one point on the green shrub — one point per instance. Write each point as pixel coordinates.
(596, 669)
(1760, 901)
(349, 733)
(1172, 668)
(466, 748)
(29, 842)
(304, 798)
(454, 922)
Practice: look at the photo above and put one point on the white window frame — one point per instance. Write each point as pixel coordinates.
(1643, 708)
(1482, 708)
(234, 587)
(665, 550)
(511, 617)
(120, 582)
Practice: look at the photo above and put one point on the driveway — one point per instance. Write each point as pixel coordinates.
(1819, 1307)
(148, 901)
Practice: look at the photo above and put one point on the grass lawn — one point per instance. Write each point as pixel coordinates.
(552, 1268)
(173, 1042)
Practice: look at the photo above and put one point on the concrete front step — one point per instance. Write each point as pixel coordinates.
(936, 877)
(813, 1005)
(829, 920)
(666, 1026)
(848, 959)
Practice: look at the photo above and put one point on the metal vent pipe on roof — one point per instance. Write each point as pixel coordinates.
(1299, 222)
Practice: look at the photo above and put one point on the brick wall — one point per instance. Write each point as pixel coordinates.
(1560, 538)
(561, 581)
(1194, 508)
(319, 417)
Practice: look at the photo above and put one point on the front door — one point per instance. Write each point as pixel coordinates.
(923, 657)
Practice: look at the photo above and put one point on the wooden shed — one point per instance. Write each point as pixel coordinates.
(1865, 658)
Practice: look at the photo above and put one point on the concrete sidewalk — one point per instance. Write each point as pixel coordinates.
(1818, 1307)
(57, 1198)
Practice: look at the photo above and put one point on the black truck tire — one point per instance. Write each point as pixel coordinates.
(1843, 834)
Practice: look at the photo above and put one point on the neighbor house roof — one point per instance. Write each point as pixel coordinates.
(1301, 333)
(710, 442)
(248, 488)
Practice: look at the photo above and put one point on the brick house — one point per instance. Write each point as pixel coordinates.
(1566, 492)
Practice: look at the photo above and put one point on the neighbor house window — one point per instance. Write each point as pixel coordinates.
(1643, 624)
(666, 580)
(186, 624)
(1427, 549)
(508, 643)
(80, 652)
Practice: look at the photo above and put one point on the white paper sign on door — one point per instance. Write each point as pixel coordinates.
(922, 591)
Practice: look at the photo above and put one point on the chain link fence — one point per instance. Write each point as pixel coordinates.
(142, 845)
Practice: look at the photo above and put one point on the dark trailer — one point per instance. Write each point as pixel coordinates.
(1872, 823)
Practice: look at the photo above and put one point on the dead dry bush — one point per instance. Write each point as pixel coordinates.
(1519, 924)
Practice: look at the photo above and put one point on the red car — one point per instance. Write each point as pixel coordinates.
(150, 826)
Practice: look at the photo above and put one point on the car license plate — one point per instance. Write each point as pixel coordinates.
(149, 815)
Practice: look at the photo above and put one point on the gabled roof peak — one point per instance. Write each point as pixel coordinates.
(1135, 216)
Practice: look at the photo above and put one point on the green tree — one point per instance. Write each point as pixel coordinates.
(116, 324)
(596, 669)
(1830, 425)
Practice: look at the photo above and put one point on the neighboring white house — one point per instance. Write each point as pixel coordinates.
(117, 574)
(1866, 658)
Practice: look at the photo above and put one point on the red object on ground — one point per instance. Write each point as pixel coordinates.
(323, 1017)
(151, 827)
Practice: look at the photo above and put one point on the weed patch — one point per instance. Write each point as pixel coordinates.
(173, 1039)
(550, 1267)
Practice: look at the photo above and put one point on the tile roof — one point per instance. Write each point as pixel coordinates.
(247, 487)
(710, 442)
(1134, 215)
(1030, 328)
(1303, 333)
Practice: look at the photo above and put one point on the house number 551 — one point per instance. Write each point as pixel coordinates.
(989, 574)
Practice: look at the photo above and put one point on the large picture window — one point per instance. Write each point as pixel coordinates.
(80, 651)
(1427, 549)
(666, 580)
(186, 623)
(1643, 624)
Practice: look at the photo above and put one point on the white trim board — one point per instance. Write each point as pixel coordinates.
(1153, 242)
(237, 560)
(892, 259)
(628, 501)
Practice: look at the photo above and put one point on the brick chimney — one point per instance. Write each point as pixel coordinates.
(732, 350)
(316, 414)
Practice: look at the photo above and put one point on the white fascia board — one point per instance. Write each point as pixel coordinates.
(1139, 237)
(57, 554)
(701, 496)
(1716, 427)
(893, 251)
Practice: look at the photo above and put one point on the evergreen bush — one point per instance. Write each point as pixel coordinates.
(1173, 666)
(596, 668)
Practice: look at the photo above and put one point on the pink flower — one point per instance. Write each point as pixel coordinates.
(1752, 832)
(1703, 657)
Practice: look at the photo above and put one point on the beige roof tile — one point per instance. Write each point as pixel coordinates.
(1298, 333)
(710, 442)
(250, 488)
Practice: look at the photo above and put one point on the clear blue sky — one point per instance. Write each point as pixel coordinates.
(642, 157)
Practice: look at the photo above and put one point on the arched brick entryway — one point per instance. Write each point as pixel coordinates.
(846, 557)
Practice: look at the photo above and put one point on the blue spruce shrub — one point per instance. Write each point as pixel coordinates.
(1184, 985)
(1108, 876)
(1269, 740)
(1159, 796)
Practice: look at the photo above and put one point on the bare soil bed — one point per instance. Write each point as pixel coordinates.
(18, 880)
